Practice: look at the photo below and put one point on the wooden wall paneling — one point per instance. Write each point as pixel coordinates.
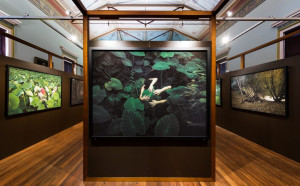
(213, 31)
(86, 94)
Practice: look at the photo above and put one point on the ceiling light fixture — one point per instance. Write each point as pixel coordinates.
(68, 12)
(225, 40)
(73, 38)
(229, 13)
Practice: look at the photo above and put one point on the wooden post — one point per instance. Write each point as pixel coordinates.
(242, 61)
(86, 91)
(50, 63)
(213, 30)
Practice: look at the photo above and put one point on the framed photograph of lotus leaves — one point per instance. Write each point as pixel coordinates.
(30, 91)
(219, 92)
(147, 93)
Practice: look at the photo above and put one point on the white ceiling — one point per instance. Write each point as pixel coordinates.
(193, 29)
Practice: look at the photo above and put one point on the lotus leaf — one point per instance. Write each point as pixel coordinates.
(137, 69)
(113, 128)
(146, 63)
(98, 94)
(127, 88)
(100, 115)
(13, 102)
(132, 123)
(176, 91)
(167, 54)
(202, 100)
(127, 62)
(137, 53)
(113, 84)
(119, 54)
(167, 126)
(176, 100)
(140, 62)
(191, 66)
(133, 104)
(161, 66)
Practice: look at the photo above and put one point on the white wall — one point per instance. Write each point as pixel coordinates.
(38, 33)
(258, 36)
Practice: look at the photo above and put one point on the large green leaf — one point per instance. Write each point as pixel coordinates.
(137, 53)
(167, 54)
(26, 86)
(137, 69)
(13, 102)
(176, 100)
(161, 66)
(98, 94)
(50, 103)
(100, 115)
(146, 63)
(176, 91)
(119, 54)
(132, 123)
(167, 126)
(55, 96)
(114, 84)
(127, 62)
(133, 104)
(113, 128)
(18, 92)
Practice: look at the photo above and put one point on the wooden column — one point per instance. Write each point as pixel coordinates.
(86, 95)
(242, 61)
(213, 95)
(50, 63)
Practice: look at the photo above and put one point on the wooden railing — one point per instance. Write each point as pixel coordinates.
(242, 55)
(50, 54)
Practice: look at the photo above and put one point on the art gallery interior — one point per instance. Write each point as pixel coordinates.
(153, 92)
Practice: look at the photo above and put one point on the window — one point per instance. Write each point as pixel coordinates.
(292, 44)
(68, 65)
(6, 44)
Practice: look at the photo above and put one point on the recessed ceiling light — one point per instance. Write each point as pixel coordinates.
(229, 13)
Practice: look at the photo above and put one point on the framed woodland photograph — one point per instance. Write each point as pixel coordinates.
(30, 91)
(76, 97)
(147, 93)
(264, 92)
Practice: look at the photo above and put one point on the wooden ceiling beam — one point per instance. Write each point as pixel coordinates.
(80, 6)
(219, 6)
(113, 14)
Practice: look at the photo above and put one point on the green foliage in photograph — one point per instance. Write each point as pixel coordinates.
(30, 91)
(149, 93)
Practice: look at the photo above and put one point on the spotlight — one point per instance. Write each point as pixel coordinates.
(68, 12)
(229, 13)
(73, 38)
(225, 40)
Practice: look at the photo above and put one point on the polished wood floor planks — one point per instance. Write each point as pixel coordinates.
(58, 161)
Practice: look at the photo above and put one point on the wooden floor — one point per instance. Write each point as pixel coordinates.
(58, 161)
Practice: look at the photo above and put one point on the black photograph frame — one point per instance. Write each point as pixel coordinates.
(204, 47)
(7, 93)
(221, 99)
(286, 80)
(40, 61)
(71, 91)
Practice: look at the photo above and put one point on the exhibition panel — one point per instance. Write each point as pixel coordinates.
(76, 91)
(149, 110)
(37, 102)
(262, 104)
